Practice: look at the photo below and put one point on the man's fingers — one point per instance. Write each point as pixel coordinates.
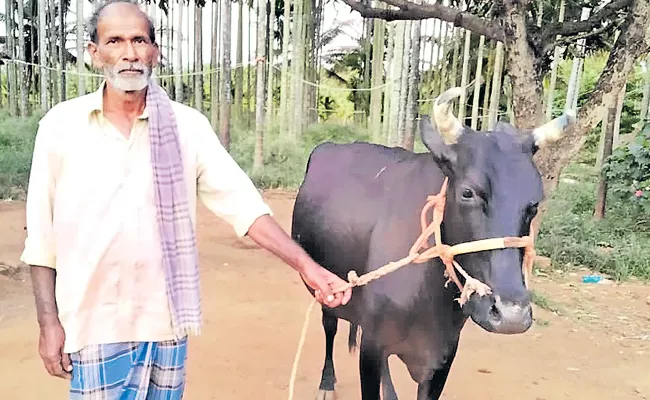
(66, 363)
(54, 368)
(347, 296)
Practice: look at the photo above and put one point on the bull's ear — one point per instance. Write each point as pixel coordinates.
(443, 154)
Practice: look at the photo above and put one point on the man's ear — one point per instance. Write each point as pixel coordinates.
(94, 57)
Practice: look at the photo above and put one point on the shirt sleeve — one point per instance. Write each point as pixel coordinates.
(223, 186)
(40, 241)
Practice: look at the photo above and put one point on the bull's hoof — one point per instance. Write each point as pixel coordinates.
(326, 395)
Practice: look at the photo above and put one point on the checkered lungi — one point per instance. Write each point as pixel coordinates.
(129, 371)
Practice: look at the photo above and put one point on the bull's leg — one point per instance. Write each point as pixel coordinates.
(387, 387)
(370, 367)
(328, 377)
(432, 389)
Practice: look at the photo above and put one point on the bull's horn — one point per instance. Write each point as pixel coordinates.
(552, 130)
(447, 124)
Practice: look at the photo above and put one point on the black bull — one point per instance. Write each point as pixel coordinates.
(359, 207)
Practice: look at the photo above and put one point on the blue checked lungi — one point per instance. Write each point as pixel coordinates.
(129, 371)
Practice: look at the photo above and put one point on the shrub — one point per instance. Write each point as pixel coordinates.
(628, 171)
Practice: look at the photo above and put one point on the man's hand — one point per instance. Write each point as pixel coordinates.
(52, 336)
(50, 348)
(324, 283)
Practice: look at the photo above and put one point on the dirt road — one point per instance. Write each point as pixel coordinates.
(588, 341)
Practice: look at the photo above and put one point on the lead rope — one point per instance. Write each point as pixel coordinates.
(446, 254)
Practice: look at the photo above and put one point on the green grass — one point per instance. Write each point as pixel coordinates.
(16, 146)
(617, 245)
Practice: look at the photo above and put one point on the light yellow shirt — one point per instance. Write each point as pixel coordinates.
(91, 215)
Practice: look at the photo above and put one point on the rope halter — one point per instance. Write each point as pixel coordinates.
(446, 253)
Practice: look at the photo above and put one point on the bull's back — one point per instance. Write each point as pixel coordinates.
(345, 191)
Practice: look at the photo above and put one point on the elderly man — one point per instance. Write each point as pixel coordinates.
(111, 214)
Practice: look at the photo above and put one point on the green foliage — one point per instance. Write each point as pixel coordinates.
(16, 146)
(616, 245)
(284, 160)
(628, 171)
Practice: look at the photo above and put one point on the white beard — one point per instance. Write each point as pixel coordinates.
(127, 83)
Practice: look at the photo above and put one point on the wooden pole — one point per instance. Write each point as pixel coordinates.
(601, 193)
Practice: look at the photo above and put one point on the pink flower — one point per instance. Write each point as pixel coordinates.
(638, 193)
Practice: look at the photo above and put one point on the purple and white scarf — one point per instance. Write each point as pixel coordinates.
(179, 250)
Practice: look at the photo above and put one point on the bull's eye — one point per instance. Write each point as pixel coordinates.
(532, 209)
(468, 194)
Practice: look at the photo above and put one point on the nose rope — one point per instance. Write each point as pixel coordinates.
(446, 253)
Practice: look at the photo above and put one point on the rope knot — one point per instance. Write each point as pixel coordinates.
(353, 278)
(446, 254)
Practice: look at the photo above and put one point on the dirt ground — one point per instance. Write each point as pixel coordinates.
(589, 341)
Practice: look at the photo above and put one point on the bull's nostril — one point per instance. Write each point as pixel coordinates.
(494, 313)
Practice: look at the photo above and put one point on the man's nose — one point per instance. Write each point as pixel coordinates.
(129, 52)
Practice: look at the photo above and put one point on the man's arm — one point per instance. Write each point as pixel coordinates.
(43, 285)
(39, 252)
(229, 193)
(266, 232)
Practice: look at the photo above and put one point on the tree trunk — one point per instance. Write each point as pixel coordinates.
(645, 102)
(601, 193)
(24, 111)
(81, 89)
(258, 158)
(413, 85)
(214, 66)
(633, 42)
(397, 71)
(443, 54)
(453, 81)
(11, 67)
(284, 78)
(488, 87)
(42, 53)
(297, 69)
(198, 58)
(462, 102)
(556, 61)
(54, 54)
(377, 78)
(404, 80)
(62, 53)
(573, 89)
(390, 81)
(179, 55)
(477, 83)
(226, 98)
(239, 68)
(270, 61)
(497, 79)
(523, 72)
(250, 84)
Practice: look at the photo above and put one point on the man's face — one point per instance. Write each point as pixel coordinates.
(124, 50)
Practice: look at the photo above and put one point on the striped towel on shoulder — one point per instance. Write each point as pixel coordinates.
(180, 257)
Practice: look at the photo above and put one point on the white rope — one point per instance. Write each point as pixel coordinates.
(301, 342)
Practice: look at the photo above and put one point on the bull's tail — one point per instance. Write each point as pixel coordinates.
(353, 337)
